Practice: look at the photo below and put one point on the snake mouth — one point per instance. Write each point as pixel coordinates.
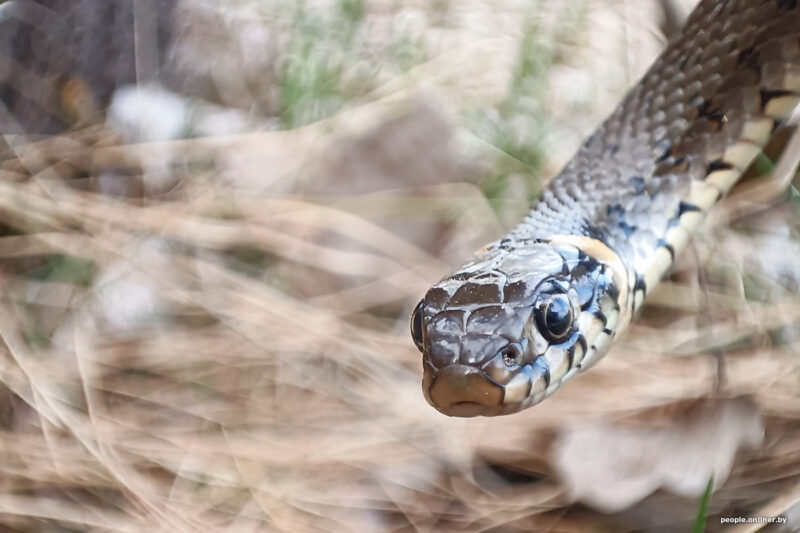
(465, 391)
(498, 386)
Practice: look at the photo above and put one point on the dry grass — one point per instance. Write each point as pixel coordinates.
(225, 347)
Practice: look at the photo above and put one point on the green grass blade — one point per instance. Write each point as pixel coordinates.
(702, 512)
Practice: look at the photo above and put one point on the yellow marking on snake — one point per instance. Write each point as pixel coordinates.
(691, 220)
(723, 180)
(741, 154)
(556, 362)
(781, 106)
(590, 325)
(702, 195)
(612, 318)
(757, 131)
(603, 341)
(658, 265)
(677, 236)
(517, 388)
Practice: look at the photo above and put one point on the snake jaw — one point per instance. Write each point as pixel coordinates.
(462, 390)
(465, 391)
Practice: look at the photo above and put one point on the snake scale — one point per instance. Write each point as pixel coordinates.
(536, 307)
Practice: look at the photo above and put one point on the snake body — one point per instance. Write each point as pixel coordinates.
(544, 302)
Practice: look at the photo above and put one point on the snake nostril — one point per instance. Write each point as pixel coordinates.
(511, 354)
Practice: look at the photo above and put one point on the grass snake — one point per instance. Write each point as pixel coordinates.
(543, 303)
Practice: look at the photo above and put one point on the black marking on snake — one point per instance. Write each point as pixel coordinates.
(686, 207)
(627, 229)
(615, 210)
(614, 149)
(527, 390)
(751, 58)
(665, 145)
(767, 95)
(546, 374)
(718, 164)
(588, 262)
(607, 331)
(787, 4)
(617, 213)
(571, 356)
(586, 285)
(580, 270)
(712, 113)
(583, 345)
(640, 284)
(719, 192)
(668, 246)
(593, 232)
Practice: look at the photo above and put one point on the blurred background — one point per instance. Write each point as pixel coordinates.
(217, 216)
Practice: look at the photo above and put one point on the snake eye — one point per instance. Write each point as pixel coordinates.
(554, 317)
(416, 325)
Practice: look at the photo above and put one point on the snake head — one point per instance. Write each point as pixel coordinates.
(513, 324)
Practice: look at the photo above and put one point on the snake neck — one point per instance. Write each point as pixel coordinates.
(645, 180)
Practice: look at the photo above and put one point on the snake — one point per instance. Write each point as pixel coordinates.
(543, 303)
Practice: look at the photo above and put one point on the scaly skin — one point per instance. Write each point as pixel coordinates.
(543, 303)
